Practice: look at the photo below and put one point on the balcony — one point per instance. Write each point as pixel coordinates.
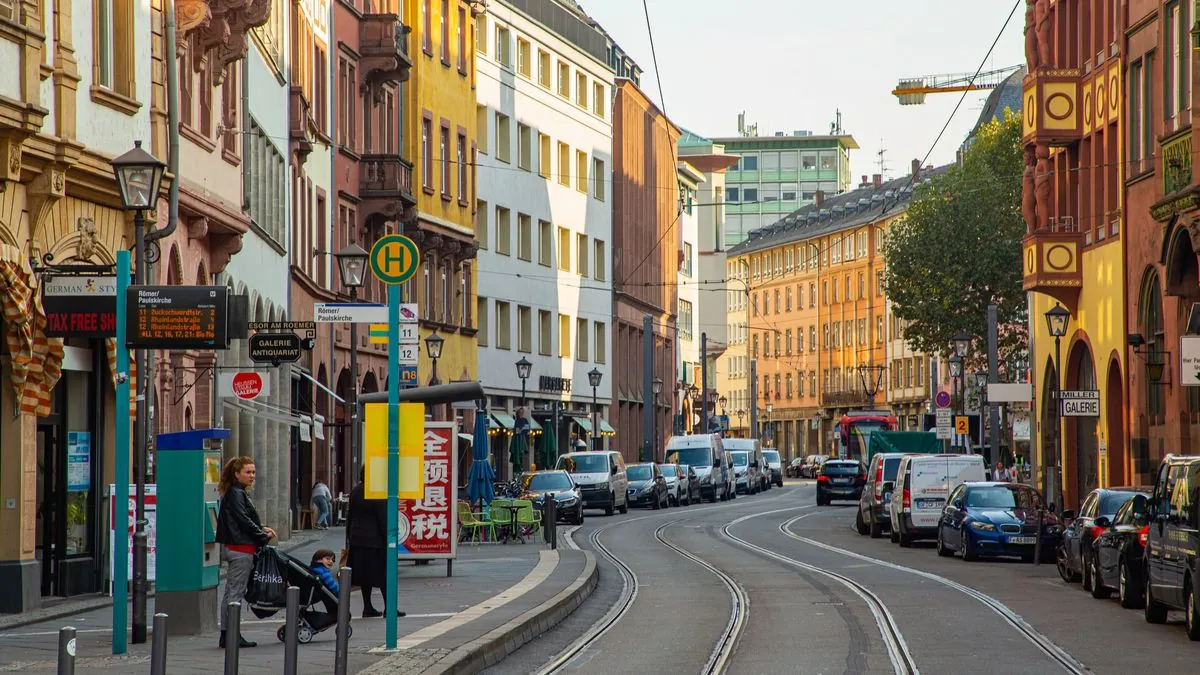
(1176, 156)
(383, 43)
(845, 398)
(1051, 260)
(299, 124)
(385, 187)
(1051, 107)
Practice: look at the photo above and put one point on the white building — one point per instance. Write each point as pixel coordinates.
(687, 310)
(544, 217)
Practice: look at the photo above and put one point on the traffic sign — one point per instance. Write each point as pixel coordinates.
(394, 259)
(409, 354)
(962, 425)
(378, 334)
(1080, 403)
(408, 375)
(408, 313)
(275, 348)
(944, 425)
(942, 399)
(345, 312)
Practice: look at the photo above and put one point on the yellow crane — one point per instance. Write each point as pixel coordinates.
(912, 91)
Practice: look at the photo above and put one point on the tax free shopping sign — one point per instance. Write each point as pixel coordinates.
(429, 526)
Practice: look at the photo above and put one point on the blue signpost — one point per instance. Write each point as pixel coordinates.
(120, 499)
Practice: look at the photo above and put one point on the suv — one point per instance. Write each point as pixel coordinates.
(600, 477)
(1173, 542)
(840, 479)
(873, 513)
(746, 465)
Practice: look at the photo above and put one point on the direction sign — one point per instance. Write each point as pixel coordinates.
(1080, 403)
(345, 312)
(177, 317)
(408, 375)
(408, 354)
(275, 348)
(942, 399)
(281, 326)
(394, 259)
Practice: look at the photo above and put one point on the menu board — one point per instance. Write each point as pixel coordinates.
(177, 317)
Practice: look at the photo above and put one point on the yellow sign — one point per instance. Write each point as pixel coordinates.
(962, 425)
(412, 450)
(378, 333)
(394, 259)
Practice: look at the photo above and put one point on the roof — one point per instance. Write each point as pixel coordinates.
(835, 214)
(1007, 95)
(844, 139)
(690, 137)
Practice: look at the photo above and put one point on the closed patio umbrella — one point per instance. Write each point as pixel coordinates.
(549, 450)
(480, 488)
(517, 449)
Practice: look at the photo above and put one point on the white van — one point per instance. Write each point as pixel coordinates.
(707, 455)
(923, 482)
(601, 478)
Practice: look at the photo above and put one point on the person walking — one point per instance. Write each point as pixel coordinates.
(321, 496)
(241, 531)
(366, 537)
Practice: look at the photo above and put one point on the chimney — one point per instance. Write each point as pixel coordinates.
(916, 168)
(819, 198)
(876, 179)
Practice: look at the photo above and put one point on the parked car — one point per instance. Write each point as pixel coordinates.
(693, 482)
(922, 485)
(647, 486)
(1120, 552)
(774, 468)
(568, 500)
(996, 519)
(601, 478)
(706, 454)
(793, 469)
(1174, 543)
(812, 465)
(874, 516)
(841, 479)
(1076, 555)
(745, 475)
(679, 487)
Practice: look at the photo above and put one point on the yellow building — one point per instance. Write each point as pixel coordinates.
(439, 134)
(734, 365)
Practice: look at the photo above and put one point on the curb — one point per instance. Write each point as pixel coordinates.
(491, 648)
(88, 604)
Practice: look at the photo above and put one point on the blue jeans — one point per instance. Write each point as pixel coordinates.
(322, 504)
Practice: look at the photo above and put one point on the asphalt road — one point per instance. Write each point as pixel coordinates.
(772, 583)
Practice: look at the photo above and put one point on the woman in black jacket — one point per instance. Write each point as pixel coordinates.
(366, 537)
(241, 531)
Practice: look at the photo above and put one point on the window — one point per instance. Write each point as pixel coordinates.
(444, 146)
(787, 342)
(544, 155)
(879, 283)
(427, 34)
(812, 338)
(787, 302)
(812, 295)
(581, 171)
(862, 286)
(601, 260)
(748, 163)
(687, 260)
(503, 47)
(523, 57)
(461, 27)
(600, 340)
(481, 127)
(524, 237)
(879, 329)
(524, 330)
(1141, 122)
(481, 34)
(787, 192)
(769, 192)
(545, 332)
(463, 167)
(427, 154)
(824, 292)
(581, 254)
(114, 42)
(503, 138)
(749, 194)
(503, 231)
(564, 249)
(598, 178)
(564, 164)
(828, 160)
(524, 146)
(824, 335)
(766, 345)
(503, 325)
(544, 68)
(444, 19)
(581, 339)
(481, 311)
(862, 331)
(581, 90)
(777, 301)
(799, 340)
(770, 161)
(481, 223)
(545, 246)
(731, 195)
(598, 102)
(564, 80)
(685, 320)
(788, 385)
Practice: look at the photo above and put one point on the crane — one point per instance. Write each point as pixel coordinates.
(912, 91)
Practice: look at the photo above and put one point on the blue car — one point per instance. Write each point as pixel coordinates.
(997, 519)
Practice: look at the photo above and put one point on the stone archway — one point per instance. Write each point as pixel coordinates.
(1115, 421)
(370, 384)
(1049, 461)
(1081, 449)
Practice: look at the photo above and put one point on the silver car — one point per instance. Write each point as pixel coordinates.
(681, 483)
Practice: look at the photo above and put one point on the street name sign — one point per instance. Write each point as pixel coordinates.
(349, 312)
(1080, 403)
(1189, 360)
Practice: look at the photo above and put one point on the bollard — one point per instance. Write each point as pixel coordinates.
(1037, 544)
(291, 631)
(66, 650)
(343, 621)
(550, 520)
(233, 632)
(158, 646)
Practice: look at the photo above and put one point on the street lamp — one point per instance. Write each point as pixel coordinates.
(1057, 320)
(139, 177)
(956, 367)
(657, 388)
(962, 342)
(766, 430)
(523, 369)
(433, 347)
(594, 377)
(740, 414)
(352, 268)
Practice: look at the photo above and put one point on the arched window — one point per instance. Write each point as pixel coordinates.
(1152, 331)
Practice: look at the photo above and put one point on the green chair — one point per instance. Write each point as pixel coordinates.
(529, 520)
(471, 524)
(499, 516)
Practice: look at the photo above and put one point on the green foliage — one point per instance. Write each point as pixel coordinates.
(958, 249)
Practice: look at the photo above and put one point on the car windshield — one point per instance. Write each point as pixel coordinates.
(771, 456)
(542, 482)
(1002, 497)
(1133, 512)
(668, 470)
(740, 458)
(584, 463)
(638, 472)
(1111, 502)
(890, 464)
(839, 468)
(701, 456)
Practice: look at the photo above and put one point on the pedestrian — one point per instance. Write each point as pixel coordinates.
(366, 537)
(1002, 474)
(322, 566)
(321, 496)
(241, 531)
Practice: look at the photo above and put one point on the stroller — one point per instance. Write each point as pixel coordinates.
(312, 592)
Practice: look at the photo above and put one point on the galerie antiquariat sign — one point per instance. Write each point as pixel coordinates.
(80, 306)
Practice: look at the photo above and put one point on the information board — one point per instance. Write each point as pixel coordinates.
(177, 317)
(80, 306)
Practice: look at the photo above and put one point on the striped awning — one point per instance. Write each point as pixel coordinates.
(36, 359)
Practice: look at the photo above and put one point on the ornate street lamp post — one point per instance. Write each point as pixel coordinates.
(433, 348)
(956, 367)
(657, 384)
(352, 268)
(523, 369)
(1057, 321)
(594, 378)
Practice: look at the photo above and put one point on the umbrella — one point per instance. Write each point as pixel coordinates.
(549, 446)
(517, 449)
(479, 482)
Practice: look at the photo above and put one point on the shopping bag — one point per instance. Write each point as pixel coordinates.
(268, 587)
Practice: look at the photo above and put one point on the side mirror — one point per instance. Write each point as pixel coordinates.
(1102, 521)
(1051, 505)
(1069, 515)
(716, 463)
(614, 471)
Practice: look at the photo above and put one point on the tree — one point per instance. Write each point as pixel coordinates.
(958, 249)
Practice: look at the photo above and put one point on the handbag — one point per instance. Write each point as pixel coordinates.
(268, 585)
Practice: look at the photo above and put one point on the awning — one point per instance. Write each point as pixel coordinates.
(466, 437)
(322, 387)
(583, 423)
(533, 424)
(605, 428)
(504, 420)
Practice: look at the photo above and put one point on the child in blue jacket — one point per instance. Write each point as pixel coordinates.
(321, 565)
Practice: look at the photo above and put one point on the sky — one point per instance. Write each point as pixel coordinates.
(792, 64)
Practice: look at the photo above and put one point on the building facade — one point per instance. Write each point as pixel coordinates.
(543, 220)
(687, 304)
(733, 368)
(646, 251)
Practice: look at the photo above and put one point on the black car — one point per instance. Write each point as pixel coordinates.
(1120, 550)
(567, 499)
(840, 479)
(1075, 554)
(1174, 542)
(647, 486)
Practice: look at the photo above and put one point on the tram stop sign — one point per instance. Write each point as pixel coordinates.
(395, 259)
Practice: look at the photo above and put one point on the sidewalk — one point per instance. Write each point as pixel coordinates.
(500, 597)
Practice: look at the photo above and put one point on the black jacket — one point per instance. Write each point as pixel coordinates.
(238, 521)
(366, 520)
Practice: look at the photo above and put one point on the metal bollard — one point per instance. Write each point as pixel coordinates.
(233, 634)
(66, 650)
(550, 520)
(158, 645)
(291, 631)
(1037, 545)
(343, 622)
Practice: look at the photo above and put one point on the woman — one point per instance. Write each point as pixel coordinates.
(366, 537)
(241, 531)
(320, 499)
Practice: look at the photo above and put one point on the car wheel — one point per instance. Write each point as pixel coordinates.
(624, 507)
(859, 525)
(964, 545)
(821, 500)
(941, 548)
(612, 501)
(1127, 591)
(1086, 573)
(1064, 567)
(905, 540)
(1153, 610)
(1099, 590)
(1190, 619)
(894, 535)
(876, 528)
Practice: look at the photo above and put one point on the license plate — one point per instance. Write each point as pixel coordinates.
(929, 503)
(842, 481)
(1021, 540)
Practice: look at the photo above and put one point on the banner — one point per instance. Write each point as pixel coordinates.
(151, 512)
(429, 526)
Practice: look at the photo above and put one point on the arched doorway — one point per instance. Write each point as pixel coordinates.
(1049, 436)
(1115, 421)
(340, 456)
(1082, 449)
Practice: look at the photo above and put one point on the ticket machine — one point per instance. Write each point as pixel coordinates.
(189, 558)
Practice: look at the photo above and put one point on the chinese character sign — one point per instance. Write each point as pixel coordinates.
(429, 525)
